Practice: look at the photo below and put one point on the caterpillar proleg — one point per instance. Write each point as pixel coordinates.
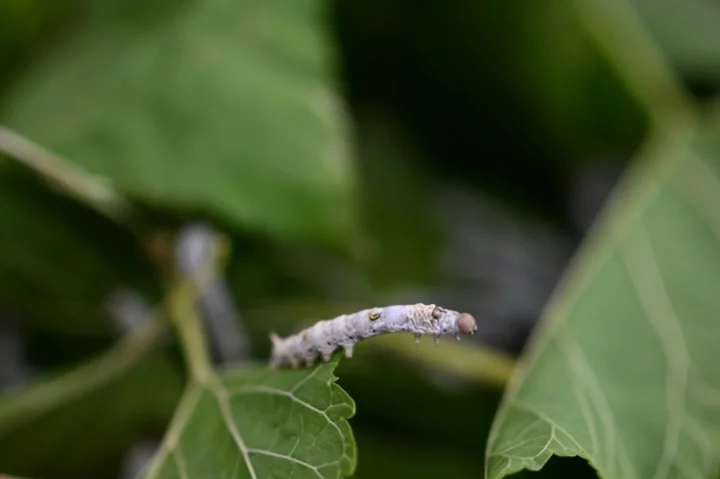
(344, 331)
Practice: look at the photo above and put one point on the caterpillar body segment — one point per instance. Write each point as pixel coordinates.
(344, 331)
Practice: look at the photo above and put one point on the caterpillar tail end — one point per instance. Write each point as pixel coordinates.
(274, 357)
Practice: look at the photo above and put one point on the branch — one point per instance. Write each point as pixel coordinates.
(186, 318)
(470, 362)
(19, 408)
(195, 245)
(89, 189)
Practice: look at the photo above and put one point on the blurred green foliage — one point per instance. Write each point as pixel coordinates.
(317, 137)
(65, 254)
(195, 111)
(26, 24)
(87, 432)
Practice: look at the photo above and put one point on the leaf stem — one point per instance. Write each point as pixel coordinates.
(186, 318)
(172, 435)
(465, 361)
(92, 190)
(191, 335)
(20, 407)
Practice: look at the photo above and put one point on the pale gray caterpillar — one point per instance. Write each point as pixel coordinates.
(344, 331)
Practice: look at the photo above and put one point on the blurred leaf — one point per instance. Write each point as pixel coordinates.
(224, 107)
(624, 371)
(396, 200)
(575, 95)
(58, 250)
(57, 429)
(476, 69)
(23, 24)
(20, 406)
(688, 32)
(286, 423)
(66, 177)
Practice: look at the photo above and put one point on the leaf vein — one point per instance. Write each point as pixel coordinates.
(289, 394)
(184, 411)
(639, 257)
(222, 397)
(530, 409)
(287, 458)
(180, 462)
(585, 373)
(701, 189)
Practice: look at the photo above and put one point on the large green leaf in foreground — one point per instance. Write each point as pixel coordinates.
(220, 106)
(258, 423)
(624, 371)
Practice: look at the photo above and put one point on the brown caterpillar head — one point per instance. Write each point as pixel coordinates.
(467, 324)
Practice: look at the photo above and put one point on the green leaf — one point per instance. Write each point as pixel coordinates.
(23, 26)
(222, 107)
(687, 34)
(259, 423)
(623, 371)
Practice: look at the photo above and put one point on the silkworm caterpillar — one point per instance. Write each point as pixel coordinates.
(344, 331)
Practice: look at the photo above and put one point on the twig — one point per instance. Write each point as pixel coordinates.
(92, 190)
(128, 309)
(186, 319)
(195, 245)
(17, 408)
(190, 333)
(21, 407)
(469, 362)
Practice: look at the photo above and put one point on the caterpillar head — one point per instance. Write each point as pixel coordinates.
(467, 324)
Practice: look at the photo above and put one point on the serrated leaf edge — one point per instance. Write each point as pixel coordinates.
(191, 396)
